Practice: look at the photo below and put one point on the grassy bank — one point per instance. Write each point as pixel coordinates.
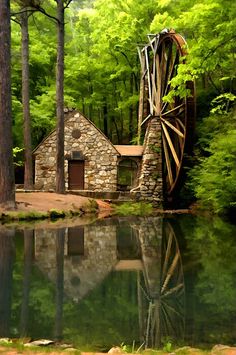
(91, 207)
(20, 346)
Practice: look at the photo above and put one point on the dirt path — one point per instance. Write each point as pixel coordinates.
(45, 201)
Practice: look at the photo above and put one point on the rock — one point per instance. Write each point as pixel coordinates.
(70, 350)
(220, 349)
(65, 346)
(188, 350)
(5, 340)
(40, 342)
(21, 340)
(115, 350)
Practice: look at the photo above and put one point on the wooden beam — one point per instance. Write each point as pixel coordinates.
(172, 149)
(129, 265)
(173, 109)
(172, 127)
(168, 164)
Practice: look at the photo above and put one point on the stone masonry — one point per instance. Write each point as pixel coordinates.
(150, 187)
(82, 137)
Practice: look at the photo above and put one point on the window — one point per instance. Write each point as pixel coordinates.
(127, 174)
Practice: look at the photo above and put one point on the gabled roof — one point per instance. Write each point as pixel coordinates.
(67, 118)
(130, 150)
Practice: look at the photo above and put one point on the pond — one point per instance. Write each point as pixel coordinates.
(135, 281)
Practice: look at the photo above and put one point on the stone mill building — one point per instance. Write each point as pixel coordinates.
(92, 162)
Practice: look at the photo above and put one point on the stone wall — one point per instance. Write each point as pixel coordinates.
(150, 186)
(81, 136)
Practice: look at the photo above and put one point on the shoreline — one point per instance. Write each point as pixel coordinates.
(38, 206)
(43, 346)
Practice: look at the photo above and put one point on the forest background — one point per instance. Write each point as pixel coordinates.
(102, 75)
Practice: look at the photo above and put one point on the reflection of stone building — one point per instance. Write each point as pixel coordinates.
(78, 259)
(92, 251)
(89, 256)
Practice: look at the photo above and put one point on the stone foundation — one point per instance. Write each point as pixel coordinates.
(150, 187)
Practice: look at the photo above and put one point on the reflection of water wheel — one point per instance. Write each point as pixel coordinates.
(164, 302)
(160, 61)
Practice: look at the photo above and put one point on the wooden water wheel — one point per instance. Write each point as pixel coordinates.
(159, 62)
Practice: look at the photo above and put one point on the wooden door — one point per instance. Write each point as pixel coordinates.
(76, 174)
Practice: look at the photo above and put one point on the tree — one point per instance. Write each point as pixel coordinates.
(7, 188)
(28, 175)
(60, 160)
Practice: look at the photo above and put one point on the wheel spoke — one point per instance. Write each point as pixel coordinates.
(172, 127)
(158, 97)
(149, 80)
(168, 164)
(172, 149)
(168, 63)
(163, 68)
(173, 109)
(180, 123)
(154, 96)
(172, 70)
(181, 141)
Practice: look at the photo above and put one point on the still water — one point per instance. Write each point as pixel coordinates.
(135, 281)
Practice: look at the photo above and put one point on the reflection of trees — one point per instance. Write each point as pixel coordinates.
(211, 244)
(6, 269)
(28, 260)
(111, 311)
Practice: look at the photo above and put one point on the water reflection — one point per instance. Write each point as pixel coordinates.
(161, 284)
(113, 281)
(6, 270)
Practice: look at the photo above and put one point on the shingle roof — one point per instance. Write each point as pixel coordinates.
(130, 150)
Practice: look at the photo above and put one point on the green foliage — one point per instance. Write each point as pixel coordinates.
(17, 159)
(168, 347)
(209, 29)
(90, 207)
(212, 246)
(54, 213)
(133, 208)
(102, 73)
(213, 179)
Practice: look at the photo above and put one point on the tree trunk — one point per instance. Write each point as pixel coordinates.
(131, 124)
(105, 118)
(60, 173)
(28, 176)
(7, 184)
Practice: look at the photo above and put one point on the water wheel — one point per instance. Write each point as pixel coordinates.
(159, 61)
